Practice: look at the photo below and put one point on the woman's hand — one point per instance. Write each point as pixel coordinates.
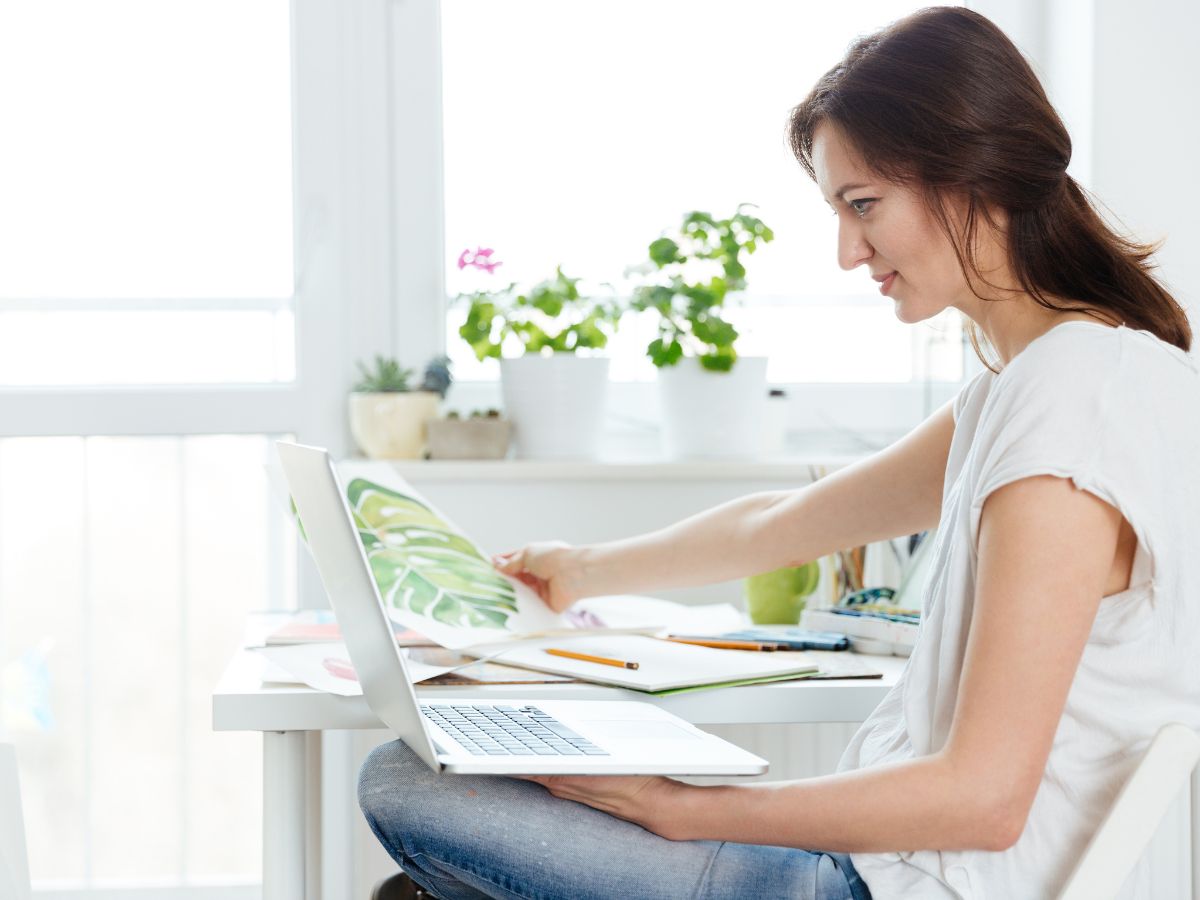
(652, 802)
(552, 568)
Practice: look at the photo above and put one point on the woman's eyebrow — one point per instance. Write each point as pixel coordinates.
(848, 187)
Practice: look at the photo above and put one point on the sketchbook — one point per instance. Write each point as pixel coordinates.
(662, 665)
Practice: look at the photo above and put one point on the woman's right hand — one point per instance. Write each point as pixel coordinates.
(552, 568)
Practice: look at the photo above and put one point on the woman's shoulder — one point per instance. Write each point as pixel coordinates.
(1071, 345)
(1090, 387)
(1076, 341)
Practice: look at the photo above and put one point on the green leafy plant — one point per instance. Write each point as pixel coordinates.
(551, 316)
(386, 376)
(696, 269)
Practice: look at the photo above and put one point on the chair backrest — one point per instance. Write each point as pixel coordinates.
(14, 865)
(1135, 815)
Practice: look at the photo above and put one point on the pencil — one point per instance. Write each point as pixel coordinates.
(587, 657)
(725, 645)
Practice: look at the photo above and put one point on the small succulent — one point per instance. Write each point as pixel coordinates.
(476, 414)
(387, 377)
(437, 376)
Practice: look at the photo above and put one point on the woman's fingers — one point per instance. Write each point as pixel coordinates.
(510, 563)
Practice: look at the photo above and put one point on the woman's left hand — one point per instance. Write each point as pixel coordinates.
(651, 802)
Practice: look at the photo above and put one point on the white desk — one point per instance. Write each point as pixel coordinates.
(291, 718)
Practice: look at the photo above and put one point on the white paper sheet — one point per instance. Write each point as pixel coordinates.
(327, 667)
(639, 611)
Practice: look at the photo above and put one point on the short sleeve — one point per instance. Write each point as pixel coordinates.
(1051, 412)
(963, 397)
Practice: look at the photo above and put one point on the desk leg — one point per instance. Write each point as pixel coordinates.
(1194, 813)
(313, 857)
(291, 815)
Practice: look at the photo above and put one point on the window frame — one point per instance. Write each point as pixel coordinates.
(349, 239)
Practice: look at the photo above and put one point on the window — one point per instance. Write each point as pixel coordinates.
(127, 567)
(145, 192)
(575, 134)
(151, 327)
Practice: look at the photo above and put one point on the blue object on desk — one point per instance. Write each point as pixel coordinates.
(794, 637)
(862, 614)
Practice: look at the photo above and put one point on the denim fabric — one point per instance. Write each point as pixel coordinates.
(465, 837)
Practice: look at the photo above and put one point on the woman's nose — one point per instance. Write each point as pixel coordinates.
(853, 249)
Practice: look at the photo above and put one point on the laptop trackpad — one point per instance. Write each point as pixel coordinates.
(633, 729)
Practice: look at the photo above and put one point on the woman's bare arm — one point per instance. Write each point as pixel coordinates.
(896, 491)
(1039, 538)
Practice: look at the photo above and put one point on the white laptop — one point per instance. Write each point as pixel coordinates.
(482, 736)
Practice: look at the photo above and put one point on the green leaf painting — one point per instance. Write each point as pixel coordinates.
(422, 565)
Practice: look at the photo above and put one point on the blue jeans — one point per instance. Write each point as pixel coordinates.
(473, 836)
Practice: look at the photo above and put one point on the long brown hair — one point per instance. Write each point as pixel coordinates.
(944, 102)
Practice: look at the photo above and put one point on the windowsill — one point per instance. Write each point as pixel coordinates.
(623, 459)
(606, 470)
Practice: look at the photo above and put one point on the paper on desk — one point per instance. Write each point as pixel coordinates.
(326, 667)
(637, 611)
(662, 665)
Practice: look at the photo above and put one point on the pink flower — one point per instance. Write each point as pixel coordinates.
(480, 259)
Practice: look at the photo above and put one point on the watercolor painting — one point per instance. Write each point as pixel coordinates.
(423, 565)
(432, 578)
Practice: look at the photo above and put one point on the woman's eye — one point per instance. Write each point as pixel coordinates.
(861, 206)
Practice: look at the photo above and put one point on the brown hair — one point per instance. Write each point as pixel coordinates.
(944, 102)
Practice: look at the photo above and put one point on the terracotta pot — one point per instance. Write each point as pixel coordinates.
(392, 425)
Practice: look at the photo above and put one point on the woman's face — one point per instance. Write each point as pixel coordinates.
(887, 228)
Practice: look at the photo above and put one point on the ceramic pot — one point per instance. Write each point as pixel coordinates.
(713, 415)
(478, 438)
(556, 404)
(392, 425)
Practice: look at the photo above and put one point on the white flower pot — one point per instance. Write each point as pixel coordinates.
(556, 404)
(713, 415)
(392, 425)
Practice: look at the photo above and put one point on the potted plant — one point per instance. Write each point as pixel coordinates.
(484, 434)
(713, 401)
(387, 416)
(553, 386)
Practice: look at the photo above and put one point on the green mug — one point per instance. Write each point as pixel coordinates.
(778, 598)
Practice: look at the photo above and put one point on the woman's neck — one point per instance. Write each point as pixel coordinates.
(1010, 325)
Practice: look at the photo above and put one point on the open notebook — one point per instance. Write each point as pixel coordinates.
(662, 665)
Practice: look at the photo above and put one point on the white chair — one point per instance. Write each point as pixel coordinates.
(1118, 843)
(14, 865)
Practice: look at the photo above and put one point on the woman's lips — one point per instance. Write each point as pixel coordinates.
(887, 284)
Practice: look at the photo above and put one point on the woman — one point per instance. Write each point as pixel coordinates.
(1060, 626)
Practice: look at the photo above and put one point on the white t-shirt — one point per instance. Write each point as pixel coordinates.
(1117, 411)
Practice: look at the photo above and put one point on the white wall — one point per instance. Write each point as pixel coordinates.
(1146, 129)
(1124, 76)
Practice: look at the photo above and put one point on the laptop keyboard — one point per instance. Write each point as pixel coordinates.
(508, 731)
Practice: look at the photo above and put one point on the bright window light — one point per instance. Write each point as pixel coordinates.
(576, 133)
(147, 149)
